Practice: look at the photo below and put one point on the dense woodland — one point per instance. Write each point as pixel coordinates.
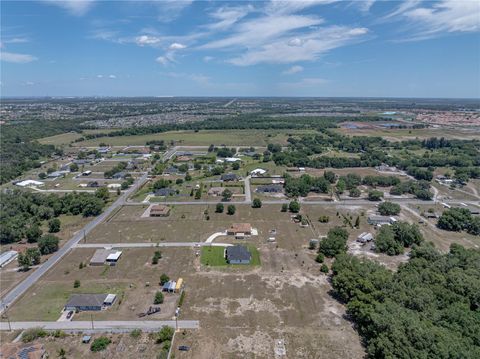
(22, 213)
(429, 308)
(19, 151)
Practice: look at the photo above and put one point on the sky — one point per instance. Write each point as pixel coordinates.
(324, 48)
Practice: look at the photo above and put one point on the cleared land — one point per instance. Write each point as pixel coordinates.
(202, 138)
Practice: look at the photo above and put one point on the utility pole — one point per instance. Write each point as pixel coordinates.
(91, 320)
(84, 237)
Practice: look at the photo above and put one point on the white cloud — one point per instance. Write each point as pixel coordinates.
(227, 16)
(199, 78)
(289, 7)
(312, 46)
(166, 59)
(16, 58)
(365, 5)
(112, 76)
(402, 8)
(74, 7)
(262, 30)
(208, 58)
(147, 40)
(169, 10)
(446, 16)
(29, 83)
(99, 76)
(293, 70)
(177, 46)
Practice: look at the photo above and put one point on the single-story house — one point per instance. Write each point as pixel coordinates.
(238, 255)
(56, 174)
(216, 191)
(86, 173)
(232, 159)
(270, 188)
(365, 237)
(258, 172)
(159, 210)
(119, 175)
(236, 228)
(103, 256)
(29, 183)
(250, 153)
(81, 162)
(21, 350)
(103, 150)
(229, 177)
(171, 171)
(165, 192)
(380, 220)
(85, 302)
(114, 185)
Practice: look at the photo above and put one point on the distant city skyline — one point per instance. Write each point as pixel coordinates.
(323, 48)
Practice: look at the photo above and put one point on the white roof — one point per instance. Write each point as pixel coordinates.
(6, 256)
(110, 298)
(259, 171)
(114, 185)
(232, 159)
(88, 172)
(27, 183)
(114, 256)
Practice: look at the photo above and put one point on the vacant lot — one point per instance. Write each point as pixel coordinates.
(201, 138)
(408, 134)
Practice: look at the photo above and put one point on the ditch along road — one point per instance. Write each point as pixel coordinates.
(23, 286)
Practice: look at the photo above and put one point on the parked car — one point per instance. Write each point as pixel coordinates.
(69, 314)
(184, 348)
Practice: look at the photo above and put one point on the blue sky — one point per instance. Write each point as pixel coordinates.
(365, 48)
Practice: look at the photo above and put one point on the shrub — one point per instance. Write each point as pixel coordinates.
(54, 225)
(375, 195)
(219, 208)
(284, 207)
(30, 335)
(76, 283)
(158, 298)
(320, 258)
(294, 206)
(324, 219)
(136, 333)
(165, 334)
(257, 203)
(324, 268)
(231, 209)
(100, 344)
(164, 279)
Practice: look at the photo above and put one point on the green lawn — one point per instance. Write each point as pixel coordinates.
(214, 256)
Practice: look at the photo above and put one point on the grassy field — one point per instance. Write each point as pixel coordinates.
(407, 134)
(202, 138)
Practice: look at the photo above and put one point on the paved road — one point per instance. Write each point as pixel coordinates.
(150, 245)
(23, 286)
(248, 193)
(102, 325)
(350, 202)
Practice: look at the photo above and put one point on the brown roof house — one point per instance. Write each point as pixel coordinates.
(159, 210)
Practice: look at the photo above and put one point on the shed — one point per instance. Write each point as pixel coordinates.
(86, 339)
(179, 285)
(113, 257)
(380, 220)
(238, 255)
